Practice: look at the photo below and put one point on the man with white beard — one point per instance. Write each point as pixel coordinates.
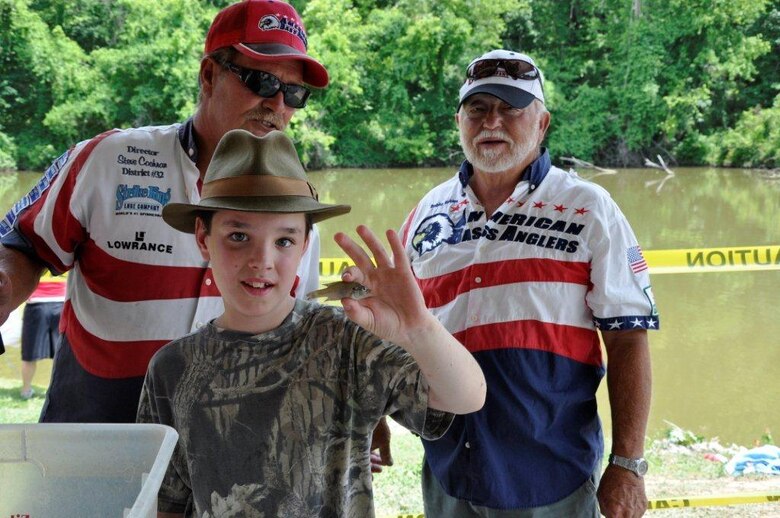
(525, 264)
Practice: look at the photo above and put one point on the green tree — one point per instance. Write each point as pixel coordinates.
(715, 55)
(90, 23)
(397, 67)
(750, 136)
(694, 80)
(646, 77)
(752, 142)
(141, 69)
(149, 76)
(38, 65)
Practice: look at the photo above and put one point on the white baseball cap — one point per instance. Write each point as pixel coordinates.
(518, 91)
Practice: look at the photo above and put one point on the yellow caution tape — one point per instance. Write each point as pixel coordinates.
(674, 503)
(741, 258)
(683, 260)
(711, 501)
(47, 276)
(334, 266)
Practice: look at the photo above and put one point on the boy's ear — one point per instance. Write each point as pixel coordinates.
(200, 238)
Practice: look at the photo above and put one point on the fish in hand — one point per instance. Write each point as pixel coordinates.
(339, 290)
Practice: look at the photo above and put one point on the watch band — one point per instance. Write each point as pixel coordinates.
(637, 466)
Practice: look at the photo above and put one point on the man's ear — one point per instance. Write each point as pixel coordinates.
(207, 76)
(200, 237)
(544, 125)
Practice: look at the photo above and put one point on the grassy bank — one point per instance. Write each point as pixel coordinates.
(14, 409)
(680, 466)
(679, 461)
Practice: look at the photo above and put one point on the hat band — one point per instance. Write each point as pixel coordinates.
(257, 185)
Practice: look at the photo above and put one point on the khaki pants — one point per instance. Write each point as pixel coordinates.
(438, 504)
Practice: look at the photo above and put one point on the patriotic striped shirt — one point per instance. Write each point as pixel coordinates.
(525, 291)
(134, 283)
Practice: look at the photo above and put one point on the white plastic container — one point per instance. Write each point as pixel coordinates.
(83, 470)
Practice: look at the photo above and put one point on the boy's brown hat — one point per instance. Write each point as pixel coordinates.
(254, 174)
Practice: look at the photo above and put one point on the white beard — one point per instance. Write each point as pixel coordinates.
(494, 161)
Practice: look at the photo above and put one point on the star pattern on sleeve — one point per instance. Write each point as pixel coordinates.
(627, 322)
(651, 323)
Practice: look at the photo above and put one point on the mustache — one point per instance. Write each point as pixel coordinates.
(490, 134)
(267, 116)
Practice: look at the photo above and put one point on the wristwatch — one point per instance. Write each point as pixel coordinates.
(638, 466)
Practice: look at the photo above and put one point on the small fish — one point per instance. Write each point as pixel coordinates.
(339, 290)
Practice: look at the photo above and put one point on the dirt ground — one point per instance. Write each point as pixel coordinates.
(684, 465)
(659, 486)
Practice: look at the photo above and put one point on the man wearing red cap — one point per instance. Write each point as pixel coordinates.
(134, 284)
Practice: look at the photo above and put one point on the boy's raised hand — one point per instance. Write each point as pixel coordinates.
(396, 312)
(396, 307)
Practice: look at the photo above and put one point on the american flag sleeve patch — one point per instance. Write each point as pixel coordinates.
(636, 261)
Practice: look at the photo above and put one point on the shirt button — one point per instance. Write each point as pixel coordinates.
(198, 325)
(467, 445)
(474, 318)
(478, 280)
(208, 282)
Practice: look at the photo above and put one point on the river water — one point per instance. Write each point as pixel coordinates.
(716, 356)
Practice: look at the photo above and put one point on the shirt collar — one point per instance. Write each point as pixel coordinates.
(186, 135)
(534, 173)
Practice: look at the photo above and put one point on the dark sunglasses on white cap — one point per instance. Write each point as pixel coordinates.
(514, 68)
(511, 76)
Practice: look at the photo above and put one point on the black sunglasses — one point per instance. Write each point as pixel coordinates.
(267, 85)
(514, 68)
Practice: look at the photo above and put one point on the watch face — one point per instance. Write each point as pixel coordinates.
(638, 466)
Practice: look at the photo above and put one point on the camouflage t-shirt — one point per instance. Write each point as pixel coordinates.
(279, 424)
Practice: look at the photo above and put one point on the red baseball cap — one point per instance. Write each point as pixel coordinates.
(266, 30)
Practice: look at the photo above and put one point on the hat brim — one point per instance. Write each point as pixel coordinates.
(181, 216)
(509, 94)
(314, 73)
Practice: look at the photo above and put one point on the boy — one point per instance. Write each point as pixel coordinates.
(276, 399)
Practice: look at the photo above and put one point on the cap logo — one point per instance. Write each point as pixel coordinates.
(268, 22)
(271, 22)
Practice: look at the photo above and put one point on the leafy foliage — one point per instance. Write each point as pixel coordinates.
(752, 142)
(693, 80)
(396, 70)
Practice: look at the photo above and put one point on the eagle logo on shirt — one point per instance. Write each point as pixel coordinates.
(435, 230)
